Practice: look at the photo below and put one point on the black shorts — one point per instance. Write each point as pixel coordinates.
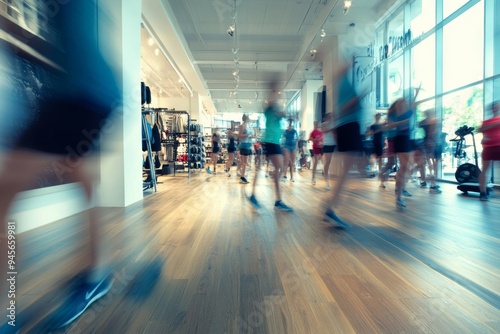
(246, 152)
(378, 149)
(272, 149)
(215, 149)
(438, 151)
(231, 150)
(67, 126)
(349, 138)
(402, 144)
(328, 148)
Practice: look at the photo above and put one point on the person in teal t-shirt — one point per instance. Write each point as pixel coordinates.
(272, 148)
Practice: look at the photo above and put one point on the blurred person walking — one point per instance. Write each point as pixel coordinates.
(290, 149)
(272, 148)
(87, 97)
(491, 146)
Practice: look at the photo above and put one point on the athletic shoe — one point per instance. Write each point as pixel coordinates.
(292, 180)
(314, 181)
(382, 186)
(333, 218)
(243, 180)
(400, 203)
(254, 202)
(208, 170)
(435, 190)
(406, 193)
(284, 176)
(85, 294)
(423, 184)
(483, 197)
(279, 205)
(328, 186)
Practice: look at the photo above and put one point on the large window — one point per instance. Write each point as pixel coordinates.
(464, 107)
(395, 83)
(395, 32)
(423, 60)
(463, 49)
(450, 6)
(423, 16)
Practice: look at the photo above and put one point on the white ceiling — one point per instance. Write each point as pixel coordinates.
(196, 53)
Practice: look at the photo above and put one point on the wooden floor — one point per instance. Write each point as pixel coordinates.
(224, 268)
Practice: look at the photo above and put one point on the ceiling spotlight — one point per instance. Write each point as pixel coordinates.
(235, 72)
(347, 5)
(157, 52)
(323, 33)
(150, 41)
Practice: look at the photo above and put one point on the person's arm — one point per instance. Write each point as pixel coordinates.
(488, 126)
(369, 131)
(391, 125)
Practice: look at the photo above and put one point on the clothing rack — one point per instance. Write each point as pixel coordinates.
(152, 170)
(177, 131)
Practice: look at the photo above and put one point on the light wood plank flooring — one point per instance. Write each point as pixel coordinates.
(222, 267)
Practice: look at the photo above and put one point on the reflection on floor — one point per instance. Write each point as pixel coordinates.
(195, 257)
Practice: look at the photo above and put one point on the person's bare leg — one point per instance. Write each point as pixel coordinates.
(482, 176)
(401, 176)
(347, 161)
(230, 159)
(286, 160)
(243, 165)
(316, 158)
(277, 160)
(20, 170)
(293, 156)
(327, 158)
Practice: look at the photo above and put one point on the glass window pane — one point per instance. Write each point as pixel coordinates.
(423, 16)
(395, 82)
(464, 107)
(420, 112)
(395, 31)
(450, 6)
(423, 60)
(463, 49)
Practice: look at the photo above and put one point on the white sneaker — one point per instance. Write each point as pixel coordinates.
(328, 186)
(314, 181)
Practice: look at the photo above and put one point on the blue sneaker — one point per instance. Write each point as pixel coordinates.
(279, 205)
(254, 202)
(208, 170)
(333, 218)
(84, 295)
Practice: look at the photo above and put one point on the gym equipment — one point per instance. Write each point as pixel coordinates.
(467, 174)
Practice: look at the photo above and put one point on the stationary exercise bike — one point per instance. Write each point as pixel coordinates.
(467, 174)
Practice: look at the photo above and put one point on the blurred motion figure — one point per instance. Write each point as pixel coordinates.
(65, 134)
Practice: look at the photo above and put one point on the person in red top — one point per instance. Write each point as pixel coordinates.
(316, 137)
(491, 145)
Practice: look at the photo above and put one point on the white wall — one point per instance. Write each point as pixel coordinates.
(38, 207)
(121, 161)
(307, 100)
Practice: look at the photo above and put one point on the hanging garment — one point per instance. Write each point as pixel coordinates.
(156, 142)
